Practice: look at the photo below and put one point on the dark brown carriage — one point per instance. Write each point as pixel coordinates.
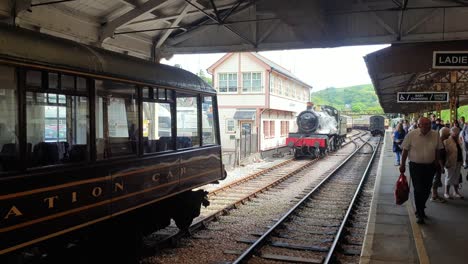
(91, 136)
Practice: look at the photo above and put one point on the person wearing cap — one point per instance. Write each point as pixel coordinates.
(453, 163)
(421, 146)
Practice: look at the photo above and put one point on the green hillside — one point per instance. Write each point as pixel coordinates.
(357, 98)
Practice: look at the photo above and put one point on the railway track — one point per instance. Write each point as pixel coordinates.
(228, 198)
(295, 236)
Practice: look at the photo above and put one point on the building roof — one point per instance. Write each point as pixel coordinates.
(270, 64)
(279, 69)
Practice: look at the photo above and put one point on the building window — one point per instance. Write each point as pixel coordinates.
(230, 126)
(286, 88)
(272, 84)
(268, 129)
(293, 90)
(272, 129)
(227, 82)
(251, 82)
(280, 86)
(284, 128)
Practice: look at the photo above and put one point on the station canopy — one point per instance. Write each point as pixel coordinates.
(409, 68)
(155, 29)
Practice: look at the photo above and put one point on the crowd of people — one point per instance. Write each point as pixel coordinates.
(436, 154)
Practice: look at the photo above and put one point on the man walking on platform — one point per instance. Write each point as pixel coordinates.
(422, 147)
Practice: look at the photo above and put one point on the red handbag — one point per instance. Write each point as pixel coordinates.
(401, 190)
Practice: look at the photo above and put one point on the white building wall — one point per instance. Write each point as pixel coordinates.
(285, 104)
(228, 141)
(241, 100)
(248, 64)
(278, 140)
(229, 65)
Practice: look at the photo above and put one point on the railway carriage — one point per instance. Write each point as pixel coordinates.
(89, 136)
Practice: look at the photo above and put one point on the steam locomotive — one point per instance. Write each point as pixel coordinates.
(319, 131)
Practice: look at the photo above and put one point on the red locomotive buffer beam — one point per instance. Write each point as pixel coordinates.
(309, 142)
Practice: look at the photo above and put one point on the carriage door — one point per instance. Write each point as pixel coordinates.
(245, 139)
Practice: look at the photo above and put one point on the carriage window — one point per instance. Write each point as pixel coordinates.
(9, 145)
(187, 121)
(157, 120)
(157, 134)
(53, 81)
(208, 128)
(68, 82)
(34, 79)
(81, 85)
(116, 120)
(57, 128)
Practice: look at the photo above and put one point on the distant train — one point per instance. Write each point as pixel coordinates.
(349, 122)
(319, 131)
(377, 125)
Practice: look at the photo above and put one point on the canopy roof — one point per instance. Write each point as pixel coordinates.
(408, 68)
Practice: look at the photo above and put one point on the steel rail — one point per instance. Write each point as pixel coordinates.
(252, 176)
(201, 223)
(340, 232)
(262, 240)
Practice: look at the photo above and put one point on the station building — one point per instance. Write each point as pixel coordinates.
(258, 102)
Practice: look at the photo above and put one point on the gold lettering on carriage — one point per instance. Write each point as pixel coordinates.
(50, 202)
(13, 211)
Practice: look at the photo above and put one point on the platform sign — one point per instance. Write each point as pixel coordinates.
(450, 60)
(422, 97)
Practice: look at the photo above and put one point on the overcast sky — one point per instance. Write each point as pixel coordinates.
(321, 68)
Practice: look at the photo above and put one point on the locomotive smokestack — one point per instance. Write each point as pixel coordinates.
(310, 105)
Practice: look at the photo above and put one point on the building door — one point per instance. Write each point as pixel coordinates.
(246, 139)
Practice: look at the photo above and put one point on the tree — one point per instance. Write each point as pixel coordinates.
(207, 79)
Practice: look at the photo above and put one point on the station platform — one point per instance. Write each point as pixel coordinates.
(393, 236)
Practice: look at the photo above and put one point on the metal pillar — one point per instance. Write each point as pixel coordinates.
(438, 108)
(453, 97)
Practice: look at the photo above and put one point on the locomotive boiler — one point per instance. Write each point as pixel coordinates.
(319, 131)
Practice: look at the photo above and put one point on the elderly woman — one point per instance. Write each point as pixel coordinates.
(453, 163)
(444, 134)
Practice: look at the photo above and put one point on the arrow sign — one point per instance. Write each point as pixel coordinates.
(422, 97)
